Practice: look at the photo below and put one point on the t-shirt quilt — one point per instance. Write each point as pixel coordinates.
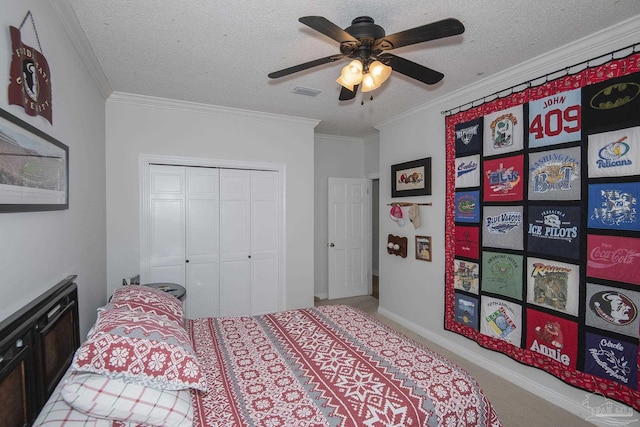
(542, 249)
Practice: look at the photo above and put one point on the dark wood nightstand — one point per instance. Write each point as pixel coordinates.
(174, 289)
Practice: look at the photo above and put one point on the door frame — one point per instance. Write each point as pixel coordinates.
(145, 160)
(371, 177)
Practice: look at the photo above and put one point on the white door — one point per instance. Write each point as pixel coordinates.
(166, 224)
(218, 232)
(184, 229)
(249, 236)
(202, 243)
(235, 242)
(349, 239)
(265, 236)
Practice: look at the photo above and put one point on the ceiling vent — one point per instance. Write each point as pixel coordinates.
(300, 90)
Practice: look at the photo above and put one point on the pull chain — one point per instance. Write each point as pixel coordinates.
(362, 101)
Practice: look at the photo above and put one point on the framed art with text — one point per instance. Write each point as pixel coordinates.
(411, 178)
(34, 168)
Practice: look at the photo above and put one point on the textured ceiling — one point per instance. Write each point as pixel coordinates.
(220, 52)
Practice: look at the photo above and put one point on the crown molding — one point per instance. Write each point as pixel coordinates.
(610, 39)
(337, 138)
(172, 104)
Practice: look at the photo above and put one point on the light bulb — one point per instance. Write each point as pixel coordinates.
(368, 83)
(351, 75)
(378, 73)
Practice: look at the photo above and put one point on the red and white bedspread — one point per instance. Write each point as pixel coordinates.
(327, 366)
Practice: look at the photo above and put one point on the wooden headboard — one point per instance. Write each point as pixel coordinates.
(37, 344)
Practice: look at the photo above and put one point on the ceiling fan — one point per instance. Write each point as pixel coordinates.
(366, 43)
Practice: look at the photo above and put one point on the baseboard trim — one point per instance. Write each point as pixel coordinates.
(321, 296)
(548, 394)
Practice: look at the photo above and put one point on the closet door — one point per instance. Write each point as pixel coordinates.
(202, 242)
(217, 233)
(264, 242)
(235, 242)
(184, 233)
(166, 224)
(249, 236)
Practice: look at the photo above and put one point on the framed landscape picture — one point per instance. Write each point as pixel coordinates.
(34, 168)
(411, 178)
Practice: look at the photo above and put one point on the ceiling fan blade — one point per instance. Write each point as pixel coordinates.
(436, 30)
(328, 28)
(346, 94)
(306, 65)
(411, 69)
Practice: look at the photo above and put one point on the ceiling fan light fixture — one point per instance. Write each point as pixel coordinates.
(368, 83)
(378, 74)
(366, 43)
(351, 75)
(380, 71)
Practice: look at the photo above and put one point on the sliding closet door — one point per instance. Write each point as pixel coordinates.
(184, 232)
(235, 242)
(264, 242)
(166, 224)
(216, 232)
(202, 242)
(248, 242)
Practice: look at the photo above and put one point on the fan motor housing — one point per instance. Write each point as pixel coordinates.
(366, 31)
(364, 28)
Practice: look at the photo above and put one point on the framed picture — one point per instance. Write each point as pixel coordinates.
(411, 178)
(34, 168)
(423, 248)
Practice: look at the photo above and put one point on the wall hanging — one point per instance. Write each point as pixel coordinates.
(411, 178)
(543, 233)
(34, 168)
(29, 75)
(423, 248)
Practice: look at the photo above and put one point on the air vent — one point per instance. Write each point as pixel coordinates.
(300, 90)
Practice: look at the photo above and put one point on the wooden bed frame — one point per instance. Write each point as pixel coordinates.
(37, 344)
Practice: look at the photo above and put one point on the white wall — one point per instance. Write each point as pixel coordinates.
(372, 155)
(336, 157)
(411, 292)
(41, 248)
(416, 298)
(141, 125)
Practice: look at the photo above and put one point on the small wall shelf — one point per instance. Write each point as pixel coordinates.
(397, 245)
(403, 204)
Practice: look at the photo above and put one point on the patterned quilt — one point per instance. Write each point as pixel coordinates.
(327, 366)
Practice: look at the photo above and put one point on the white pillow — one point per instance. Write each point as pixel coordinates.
(104, 397)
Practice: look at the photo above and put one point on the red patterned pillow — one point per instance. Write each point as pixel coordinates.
(149, 300)
(141, 348)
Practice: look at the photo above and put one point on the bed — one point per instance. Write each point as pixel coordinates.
(143, 364)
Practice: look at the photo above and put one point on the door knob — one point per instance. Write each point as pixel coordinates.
(331, 245)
